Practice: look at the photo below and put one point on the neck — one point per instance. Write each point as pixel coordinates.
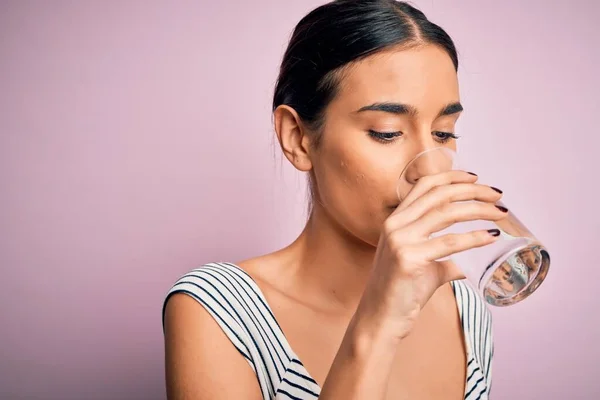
(331, 266)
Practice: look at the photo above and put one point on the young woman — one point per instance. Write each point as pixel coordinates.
(356, 307)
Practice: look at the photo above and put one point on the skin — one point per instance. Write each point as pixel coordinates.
(361, 274)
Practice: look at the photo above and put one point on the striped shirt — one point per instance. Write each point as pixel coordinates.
(237, 304)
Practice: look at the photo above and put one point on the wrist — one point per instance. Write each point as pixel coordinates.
(364, 361)
(384, 323)
(369, 336)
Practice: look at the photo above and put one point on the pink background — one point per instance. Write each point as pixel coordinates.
(136, 143)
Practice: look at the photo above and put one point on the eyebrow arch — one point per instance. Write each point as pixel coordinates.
(406, 109)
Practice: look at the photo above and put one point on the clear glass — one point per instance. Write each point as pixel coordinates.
(504, 272)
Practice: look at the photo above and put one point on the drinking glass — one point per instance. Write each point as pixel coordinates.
(504, 272)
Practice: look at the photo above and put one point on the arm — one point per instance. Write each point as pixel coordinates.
(362, 366)
(200, 361)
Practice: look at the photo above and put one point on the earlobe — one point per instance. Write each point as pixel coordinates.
(292, 137)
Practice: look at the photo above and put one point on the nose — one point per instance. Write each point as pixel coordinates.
(429, 162)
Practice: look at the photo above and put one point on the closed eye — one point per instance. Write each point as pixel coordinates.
(444, 137)
(384, 137)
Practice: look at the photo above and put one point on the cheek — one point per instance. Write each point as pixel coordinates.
(355, 188)
(356, 184)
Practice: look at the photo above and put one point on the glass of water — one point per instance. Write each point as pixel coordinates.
(504, 272)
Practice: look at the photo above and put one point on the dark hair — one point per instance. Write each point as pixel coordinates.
(338, 33)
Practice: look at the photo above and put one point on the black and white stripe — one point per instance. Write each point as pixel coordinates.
(236, 303)
(477, 327)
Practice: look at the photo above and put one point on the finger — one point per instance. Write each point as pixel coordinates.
(449, 214)
(445, 194)
(447, 245)
(426, 183)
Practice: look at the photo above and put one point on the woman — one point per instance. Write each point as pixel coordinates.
(356, 307)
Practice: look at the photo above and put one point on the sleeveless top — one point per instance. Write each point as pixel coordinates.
(237, 304)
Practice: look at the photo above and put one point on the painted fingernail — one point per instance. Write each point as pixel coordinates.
(496, 189)
(503, 209)
(472, 173)
(494, 232)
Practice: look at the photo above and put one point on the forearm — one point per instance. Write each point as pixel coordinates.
(362, 366)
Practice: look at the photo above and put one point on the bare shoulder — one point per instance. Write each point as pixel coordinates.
(267, 270)
(201, 361)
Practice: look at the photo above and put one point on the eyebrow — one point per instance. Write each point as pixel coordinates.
(406, 109)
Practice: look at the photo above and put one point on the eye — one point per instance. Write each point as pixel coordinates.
(384, 137)
(444, 137)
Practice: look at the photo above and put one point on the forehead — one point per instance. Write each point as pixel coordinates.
(421, 76)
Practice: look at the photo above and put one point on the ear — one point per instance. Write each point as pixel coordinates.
(292, 136)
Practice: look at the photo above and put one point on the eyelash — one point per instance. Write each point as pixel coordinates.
(388, 137)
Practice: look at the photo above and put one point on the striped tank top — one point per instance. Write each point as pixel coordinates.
(237, 304)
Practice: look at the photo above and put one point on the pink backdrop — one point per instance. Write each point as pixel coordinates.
(136, 143)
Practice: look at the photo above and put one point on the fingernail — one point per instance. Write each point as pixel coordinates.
(494, 232)
(472, 173)
(496, 189)
(503, 209)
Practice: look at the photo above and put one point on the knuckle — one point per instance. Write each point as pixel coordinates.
(472, 192)
(394, 242)
(413, 236)
(397, 246)
(427, 180)
(480, 236)
(400, 254)
(478, 209)
(388, 225)
(391, 225)
(406, 261)
(437, 190)
(440, 192)
(450, 241)
(444, 208)
(463, 192)
(473, 209)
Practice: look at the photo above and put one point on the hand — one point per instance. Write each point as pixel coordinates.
(405, 274)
